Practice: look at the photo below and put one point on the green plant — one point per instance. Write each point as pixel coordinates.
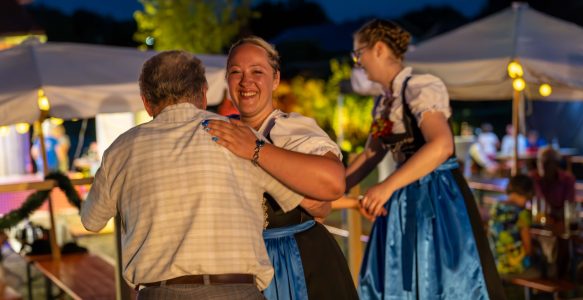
(198, 26)
(345, 117)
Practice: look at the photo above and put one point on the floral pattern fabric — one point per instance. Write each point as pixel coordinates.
(505, 225)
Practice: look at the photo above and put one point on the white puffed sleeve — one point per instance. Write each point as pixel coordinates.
(302, 134)
(427, 93)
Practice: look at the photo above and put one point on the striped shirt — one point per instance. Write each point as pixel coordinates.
(188, 206)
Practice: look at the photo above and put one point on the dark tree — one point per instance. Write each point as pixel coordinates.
(274, 18)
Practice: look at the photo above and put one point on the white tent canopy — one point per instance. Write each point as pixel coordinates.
(472, 60)
(81, 81)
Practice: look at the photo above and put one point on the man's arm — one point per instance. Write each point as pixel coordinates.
(285, 197)
(99, 207)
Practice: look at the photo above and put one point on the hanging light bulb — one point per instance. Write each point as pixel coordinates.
(545, 89)
(57, 121)
(4, 130)
(518, 84)
(43, 101)
(22, 128)
(515, 69)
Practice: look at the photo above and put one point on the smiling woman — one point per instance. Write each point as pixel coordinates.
(307, 260)
(252, 80)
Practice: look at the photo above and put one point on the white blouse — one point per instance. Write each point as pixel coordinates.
(424, 93)
(298, 133)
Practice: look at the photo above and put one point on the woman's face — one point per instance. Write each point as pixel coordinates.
(251, 81)
(364, 56)
(378, 61)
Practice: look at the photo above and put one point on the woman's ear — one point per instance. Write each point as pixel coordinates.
(379, 49)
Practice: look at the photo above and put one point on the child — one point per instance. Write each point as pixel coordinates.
(509, 226)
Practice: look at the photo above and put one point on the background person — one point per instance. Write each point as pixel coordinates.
(557, 188)
(509, 226)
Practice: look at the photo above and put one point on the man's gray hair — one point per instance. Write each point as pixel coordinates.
(172, 77)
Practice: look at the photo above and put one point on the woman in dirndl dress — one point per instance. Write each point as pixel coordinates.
(307, 260)
(427, 241)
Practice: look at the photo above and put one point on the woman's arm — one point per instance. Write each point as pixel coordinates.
(364, 162)
(315, 176)
(317, 209)
(438, 147)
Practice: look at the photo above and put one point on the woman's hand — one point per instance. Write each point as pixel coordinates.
(364, 213)
(233, 135)
(375, 198)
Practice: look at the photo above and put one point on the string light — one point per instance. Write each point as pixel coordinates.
(545, 90)
(4, 130)
(43, 101)
(57, 121)
(515, 70)
(518, 84)
(22, 128)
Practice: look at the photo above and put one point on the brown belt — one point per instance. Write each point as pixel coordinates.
(204, 279)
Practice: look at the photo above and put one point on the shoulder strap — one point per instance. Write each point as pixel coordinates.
(377, 100)
(270, 125)
(407, 113)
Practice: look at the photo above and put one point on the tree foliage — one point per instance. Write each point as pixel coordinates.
(319, 99)
(198, 26)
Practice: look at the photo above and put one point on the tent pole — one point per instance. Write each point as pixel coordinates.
(55, 250)
(516, 123)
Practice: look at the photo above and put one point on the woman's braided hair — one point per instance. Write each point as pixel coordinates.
(395, 37)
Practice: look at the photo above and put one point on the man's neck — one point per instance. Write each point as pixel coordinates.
(158, 109)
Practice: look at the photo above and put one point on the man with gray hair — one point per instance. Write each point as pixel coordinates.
(191, 211)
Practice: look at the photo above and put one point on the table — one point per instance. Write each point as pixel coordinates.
(81, 276)
(566, 153)
(573, 238)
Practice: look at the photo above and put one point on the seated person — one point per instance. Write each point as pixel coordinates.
(484, 163)
(534, 142)
(553, 184)
(556, 187)
(507, 147)
(509, 228)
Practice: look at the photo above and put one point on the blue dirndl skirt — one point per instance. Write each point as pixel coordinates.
(424, 248)
(288, 281)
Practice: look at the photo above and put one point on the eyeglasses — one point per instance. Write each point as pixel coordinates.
(356, 54)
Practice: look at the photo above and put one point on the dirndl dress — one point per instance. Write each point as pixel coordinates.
(431, 244)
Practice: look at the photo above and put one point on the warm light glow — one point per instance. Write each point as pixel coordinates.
(43, 101)
(515, 70)
(4, 130)
(57, 121)
(22, 128)
(518, 84)
(545, 89)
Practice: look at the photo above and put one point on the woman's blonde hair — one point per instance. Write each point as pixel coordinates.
(391, 34)
(272, 54)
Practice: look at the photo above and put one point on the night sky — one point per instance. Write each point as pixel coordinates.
(337, 10)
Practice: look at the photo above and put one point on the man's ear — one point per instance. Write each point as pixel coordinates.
(147, 106)
(203, 100)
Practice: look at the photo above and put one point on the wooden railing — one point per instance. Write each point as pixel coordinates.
(354, 226)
